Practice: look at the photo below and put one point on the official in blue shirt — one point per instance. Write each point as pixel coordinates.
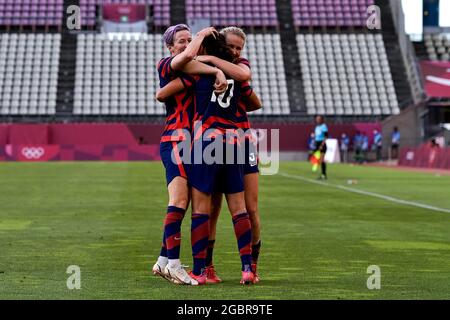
(395, 142)
(345, 144)
(357, 146)
(364, 147)
(321, 135)
(377, 143)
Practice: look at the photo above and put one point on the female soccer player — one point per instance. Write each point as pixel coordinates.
(205, 178)
(183, 49)
(235, 39)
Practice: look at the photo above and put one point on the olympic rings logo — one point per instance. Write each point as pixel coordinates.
(33, 153)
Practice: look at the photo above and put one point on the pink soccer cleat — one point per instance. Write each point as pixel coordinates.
(211, 275)
(201, 279)
(255, 274)
(247, 277)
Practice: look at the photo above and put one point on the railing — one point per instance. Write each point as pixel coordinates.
(408, 53)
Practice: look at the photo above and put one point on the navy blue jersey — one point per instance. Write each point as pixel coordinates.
(218, 112)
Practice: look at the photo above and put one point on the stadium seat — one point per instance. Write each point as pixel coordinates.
(330, 12)
(348, 89)
(438, 46)
(131, 84)
(31, 12)
(268, 77)
(31, 76)
(234, 12)
(112, 87)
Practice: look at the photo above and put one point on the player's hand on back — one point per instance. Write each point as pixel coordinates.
(221, 84)
(204, 58)
(208, 31)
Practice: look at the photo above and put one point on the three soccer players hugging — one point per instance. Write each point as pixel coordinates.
(204, 85)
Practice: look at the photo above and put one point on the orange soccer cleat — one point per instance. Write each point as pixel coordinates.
(211, 275)
(256, 275)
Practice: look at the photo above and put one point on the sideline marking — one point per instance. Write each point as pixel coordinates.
(367, 193)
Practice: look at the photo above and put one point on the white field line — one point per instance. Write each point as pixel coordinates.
(366, 193)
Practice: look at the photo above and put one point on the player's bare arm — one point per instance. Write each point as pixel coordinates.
(175, 86)
(252, 102)
(195, 67)
(238, 72)
(172, 88)
(191, 50)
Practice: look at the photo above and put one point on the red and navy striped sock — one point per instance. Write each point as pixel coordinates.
(209, 253)
(243, 232)
(172, 231)
(199, 240)
(163, 252)
(255, 251)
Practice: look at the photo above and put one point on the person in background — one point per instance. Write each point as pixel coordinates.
(321, 135)
(364, 147)
(434, 149)
(395, 143)
(345, 143)
(357, 144)
(377, 144)
(434, 144)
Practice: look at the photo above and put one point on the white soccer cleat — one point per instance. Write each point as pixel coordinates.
(159, 270)
(179, 276)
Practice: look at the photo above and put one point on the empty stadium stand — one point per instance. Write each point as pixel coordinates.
(330, 12)
(298, 71)
(268, 74)
(234, 12)
(117, 75)
(28, 73)
(438, 46)
(346, 74)
(31, 12)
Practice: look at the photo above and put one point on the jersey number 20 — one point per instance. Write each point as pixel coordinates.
(224, 99)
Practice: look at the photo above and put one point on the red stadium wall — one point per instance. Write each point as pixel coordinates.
(104, 134)
(294, 137)
(4, 129)
(28, 134)
(425, 157)
(121, 142)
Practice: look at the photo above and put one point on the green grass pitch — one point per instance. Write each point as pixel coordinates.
(317, 240)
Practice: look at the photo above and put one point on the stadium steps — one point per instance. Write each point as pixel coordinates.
(66, 75)
(67, 64)
(291, 58)
(396, 63)
(177, 12)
